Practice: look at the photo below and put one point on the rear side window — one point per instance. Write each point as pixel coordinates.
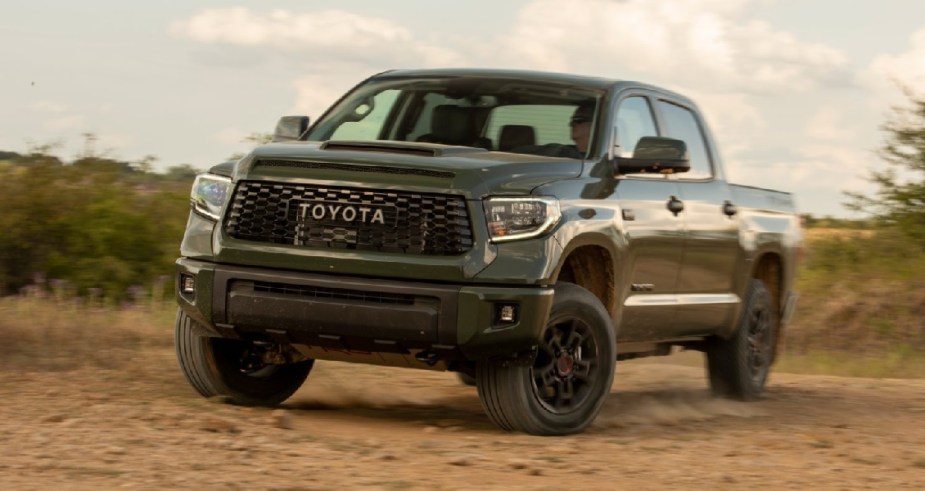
(680, 123)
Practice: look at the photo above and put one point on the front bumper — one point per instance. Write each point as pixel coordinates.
(451, 321)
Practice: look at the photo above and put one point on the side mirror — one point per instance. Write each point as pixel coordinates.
(290, 128)
(657, 155)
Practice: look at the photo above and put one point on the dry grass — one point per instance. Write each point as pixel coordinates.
(58, 334)
(816, 234)
(870, 328)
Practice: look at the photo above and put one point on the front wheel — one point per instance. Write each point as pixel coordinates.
(233, 369)
(738, 367)
(570, 378)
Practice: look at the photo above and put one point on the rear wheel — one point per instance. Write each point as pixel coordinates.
(738, 367)
(234, 369)
(570, 377)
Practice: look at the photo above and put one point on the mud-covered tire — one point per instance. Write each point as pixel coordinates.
(215, 367)
(570, 378)
(738, 367)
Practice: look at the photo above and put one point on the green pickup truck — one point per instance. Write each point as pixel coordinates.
(526, 230)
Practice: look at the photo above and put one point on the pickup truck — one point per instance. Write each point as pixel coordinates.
(526, 230)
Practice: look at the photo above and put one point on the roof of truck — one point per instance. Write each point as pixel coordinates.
(593, 82)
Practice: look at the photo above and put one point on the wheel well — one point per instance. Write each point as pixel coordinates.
(591, 268)
(771, 272)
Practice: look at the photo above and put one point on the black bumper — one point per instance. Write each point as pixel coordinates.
(360, 314)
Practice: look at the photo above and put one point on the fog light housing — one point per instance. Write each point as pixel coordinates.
(506, 313)
(187, 284)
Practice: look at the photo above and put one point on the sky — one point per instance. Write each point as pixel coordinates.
(795, 91)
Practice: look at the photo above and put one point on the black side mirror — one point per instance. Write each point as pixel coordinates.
(290, 128)
(657, 155)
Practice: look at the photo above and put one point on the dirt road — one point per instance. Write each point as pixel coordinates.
(365, 427)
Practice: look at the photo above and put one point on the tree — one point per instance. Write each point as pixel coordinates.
(900, 196)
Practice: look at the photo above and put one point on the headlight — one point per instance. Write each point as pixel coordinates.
(520, 218)
(209, 193)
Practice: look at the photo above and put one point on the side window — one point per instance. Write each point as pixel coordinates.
(368, 119)
(680, 123)
(634, 121)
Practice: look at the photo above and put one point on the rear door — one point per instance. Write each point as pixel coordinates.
(705, 299)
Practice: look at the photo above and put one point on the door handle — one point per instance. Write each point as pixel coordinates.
(675, 205)
(730, 209)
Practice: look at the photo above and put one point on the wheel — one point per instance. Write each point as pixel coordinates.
(570, 378)
(738, 367)
(233, 369)
(465, 379)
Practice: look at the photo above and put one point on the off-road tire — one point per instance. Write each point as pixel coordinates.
(213, 366)
(738, 367)
(570, 378)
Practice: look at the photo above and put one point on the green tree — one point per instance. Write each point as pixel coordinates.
(900, 196)
(96, 223)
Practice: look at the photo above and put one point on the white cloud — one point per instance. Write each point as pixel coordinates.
(315, 93)
(907, 68)
(705, 44)
(818, 174)
(289, 31)
(830, 124)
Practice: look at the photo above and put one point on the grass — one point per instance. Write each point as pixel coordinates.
(50, 333)
(895, 362)
(861, 313)
(861, 307)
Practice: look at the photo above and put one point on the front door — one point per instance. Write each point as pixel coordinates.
(654, 234)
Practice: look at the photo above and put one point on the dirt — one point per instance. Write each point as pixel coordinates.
(365, 427)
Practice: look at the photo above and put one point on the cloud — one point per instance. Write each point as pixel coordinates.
(828, 124)
(817, 173)
(329, 32)
(316, 93)
(907, 68)
(705, 43)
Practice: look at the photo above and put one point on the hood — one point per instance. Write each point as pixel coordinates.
(474, 172)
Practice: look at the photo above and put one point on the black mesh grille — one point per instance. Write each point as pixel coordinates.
(411, 223)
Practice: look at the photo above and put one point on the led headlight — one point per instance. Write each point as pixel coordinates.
(520, 218)
(209, 193)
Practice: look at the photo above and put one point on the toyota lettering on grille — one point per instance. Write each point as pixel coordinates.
(327, 213)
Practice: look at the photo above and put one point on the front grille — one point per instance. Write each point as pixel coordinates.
(410, 223)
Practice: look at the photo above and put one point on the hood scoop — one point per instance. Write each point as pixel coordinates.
(379, 169)
(406, 148)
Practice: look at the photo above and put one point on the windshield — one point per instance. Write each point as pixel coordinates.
(496, 114)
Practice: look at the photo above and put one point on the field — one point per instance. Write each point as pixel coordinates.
(93, 399)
